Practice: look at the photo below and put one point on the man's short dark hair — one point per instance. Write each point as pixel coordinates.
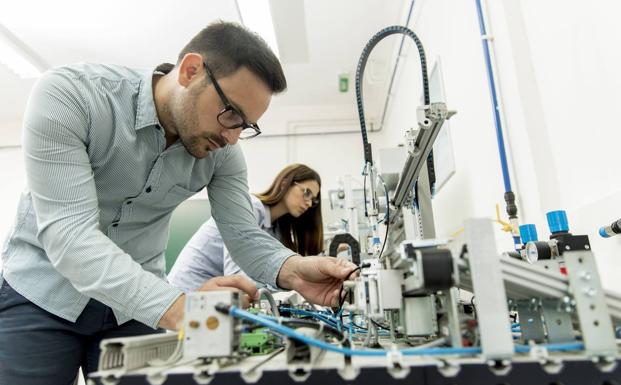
(227, 46)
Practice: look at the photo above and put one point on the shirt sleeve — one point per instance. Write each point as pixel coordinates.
(255, 251)
(61, 181)
(230, 267)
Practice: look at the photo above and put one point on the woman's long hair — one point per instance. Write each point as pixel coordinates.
(304, 234)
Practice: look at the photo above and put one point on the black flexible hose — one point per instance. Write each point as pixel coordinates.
(368, 156)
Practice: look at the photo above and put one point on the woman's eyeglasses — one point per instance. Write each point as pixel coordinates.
(308, 195)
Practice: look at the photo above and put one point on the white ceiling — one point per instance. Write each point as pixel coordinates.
(318, 40)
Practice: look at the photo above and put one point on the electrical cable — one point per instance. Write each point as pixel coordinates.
(282, 329)
(364, 189)
(342, 299)
(298, 322)
(379, 325)
(270, 298)
(386, 218)
(269, 357)
(350, 328)
(174, 357)
(321, 317)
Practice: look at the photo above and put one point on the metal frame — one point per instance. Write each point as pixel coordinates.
(492, 311)
(430, 120)
(525, 281)
(572, 371)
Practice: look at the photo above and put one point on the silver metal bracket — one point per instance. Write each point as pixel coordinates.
(531, 324)
(489, 289)
(585, 285)
(557, 320)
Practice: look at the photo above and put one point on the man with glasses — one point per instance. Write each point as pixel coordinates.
(109, 153)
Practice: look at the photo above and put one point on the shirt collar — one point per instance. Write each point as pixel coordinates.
(267, 218)
(146, 114)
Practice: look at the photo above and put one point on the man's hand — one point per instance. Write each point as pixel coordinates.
(174, 315)
(318, 279)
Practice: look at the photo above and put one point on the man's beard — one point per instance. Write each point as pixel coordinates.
(184, 117)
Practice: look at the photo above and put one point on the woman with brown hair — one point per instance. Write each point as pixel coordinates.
(289, 210)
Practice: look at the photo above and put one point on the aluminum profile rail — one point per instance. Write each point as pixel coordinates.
(523, 280)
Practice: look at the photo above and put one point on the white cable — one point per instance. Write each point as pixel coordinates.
(430, 344)
(270, 299)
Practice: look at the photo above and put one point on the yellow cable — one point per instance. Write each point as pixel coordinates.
(456, 233)
(507, 227)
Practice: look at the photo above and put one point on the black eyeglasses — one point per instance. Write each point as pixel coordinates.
(308, 194)
(229, 116)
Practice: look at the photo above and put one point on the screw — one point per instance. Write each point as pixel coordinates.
(585, 275)
(590, 292)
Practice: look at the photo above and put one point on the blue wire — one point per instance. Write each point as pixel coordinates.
(291, 333)
(331, 321)
(325, 318)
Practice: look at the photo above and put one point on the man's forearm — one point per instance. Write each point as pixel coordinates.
(287, 276)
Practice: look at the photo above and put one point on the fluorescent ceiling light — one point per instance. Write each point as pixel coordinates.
(256, 15)
(18, 57)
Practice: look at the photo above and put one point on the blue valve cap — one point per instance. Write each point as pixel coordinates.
(557, 221)
(528, 233)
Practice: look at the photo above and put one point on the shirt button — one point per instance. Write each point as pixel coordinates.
(148, 190)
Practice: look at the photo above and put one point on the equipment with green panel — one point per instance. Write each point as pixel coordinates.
(258, 342)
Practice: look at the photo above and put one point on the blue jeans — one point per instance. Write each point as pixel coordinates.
(39, 348)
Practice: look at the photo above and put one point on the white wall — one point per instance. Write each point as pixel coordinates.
(567, 66)
(331, 155)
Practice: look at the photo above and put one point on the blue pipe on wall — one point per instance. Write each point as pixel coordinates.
(492, 88)
(511, 207)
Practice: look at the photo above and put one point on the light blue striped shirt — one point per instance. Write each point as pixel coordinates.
(93, 221)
